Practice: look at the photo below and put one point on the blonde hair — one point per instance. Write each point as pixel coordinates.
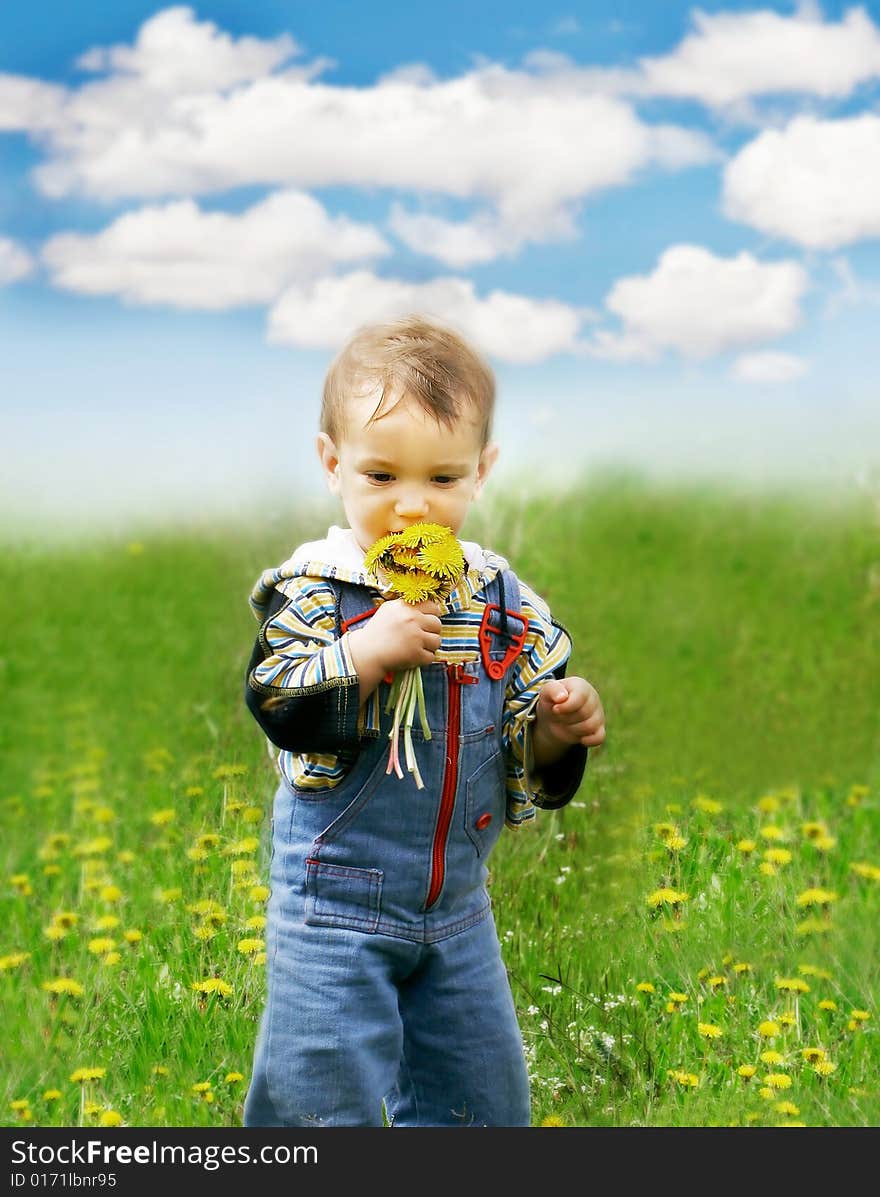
(416, 357)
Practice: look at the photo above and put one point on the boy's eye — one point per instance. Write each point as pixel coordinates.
(445, 479)
(378, 476)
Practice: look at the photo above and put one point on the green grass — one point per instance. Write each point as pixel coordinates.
(735, 642)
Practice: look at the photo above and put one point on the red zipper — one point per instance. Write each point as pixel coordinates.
(457, 678)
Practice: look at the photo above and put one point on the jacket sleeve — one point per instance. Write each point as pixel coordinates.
(301, 684)
(544, 656)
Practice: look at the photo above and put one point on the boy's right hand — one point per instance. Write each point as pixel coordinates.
(401, 635)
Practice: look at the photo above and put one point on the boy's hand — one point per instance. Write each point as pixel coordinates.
(401, 635)
(569, 711)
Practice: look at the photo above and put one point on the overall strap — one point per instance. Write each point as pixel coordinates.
(353, 604)
(504, 627)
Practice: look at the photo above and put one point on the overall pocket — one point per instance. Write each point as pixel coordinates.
(484, 807)
(342, 896)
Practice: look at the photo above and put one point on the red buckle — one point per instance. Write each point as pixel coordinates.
(497, 669)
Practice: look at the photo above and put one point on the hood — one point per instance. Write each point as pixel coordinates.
(339, 556)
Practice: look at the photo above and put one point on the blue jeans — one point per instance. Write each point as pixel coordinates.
(385, 982)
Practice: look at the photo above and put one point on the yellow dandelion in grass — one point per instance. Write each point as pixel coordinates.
(790, 1123)
(101, 944)
(856, 795)
(827, 1004)
(746, 847)
(709, 1030)
(248, 947)
(91, 1109)
(813, 1054)
(193, 791)
(161, 818)
(205, 907)
(769, 1029)
(208, 840)
(869, 872)
(21, 882)
(259, 893)
(787, 1107)
(787, 1019)
(675, 843)
(160, 1070)
(666, 896)
(53, 932)
(132, 936)
(201, 1086)
(196, 855)
(110, 1118)
(19, 1103)
(244, 847)
(106, 922)
(13, 960)
(777, 1080)
(644, 987)
(253, 814)
(83, 1075)
(746, 1071)
(824, 1067)
(813, 926)
(126, 856)
(813, 970)
(814, 830)
(709, 806)
(51, 1094)
(816, 897)
(778, 856)
(233, 1078)
(64, 986)
(665, 830)
(741, 967)
(767, 868)
(552, 1120)
(224, 772)
(212, 985)
(771, 1057)
(111, 958)
(205, 932)
(675, 1001)
(172, 894)
(768, 805)
(51, 870)
(860, 1015)
(792, 985)
(688, 1080)
(94, 847)
(772, 832)
(234, 806)
(256, 922)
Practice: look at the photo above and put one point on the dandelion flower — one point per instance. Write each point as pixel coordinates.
(860, 1015)
(769, 1029)
(769, 804)
(746, 846)
(792, 984)
(259, 893)
(63, 985)
(746, 1071)
(778, 1080)
(813, 1054)
(51, 1094)
(248, 947)
(827, 1004)
(778, 856)
(101, 944)
(813, 970)
(708, 806)
(824, 1067)
(771, 1057)
(665, 896)
(787, 1107)
(709, 1030)
(13, 960)
(742, 967)
(772, 832)
(232, 1078)
(645, 987)
(688, 1080)
(213, 985)
(132, 936)
(862, 869)
(81, 1075)
(816, 897)
(110, 1118)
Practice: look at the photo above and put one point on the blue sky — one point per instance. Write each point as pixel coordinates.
(661, 223)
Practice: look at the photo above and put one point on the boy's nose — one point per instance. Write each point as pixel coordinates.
(411, 505)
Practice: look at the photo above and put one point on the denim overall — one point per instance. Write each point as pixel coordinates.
(385, 983)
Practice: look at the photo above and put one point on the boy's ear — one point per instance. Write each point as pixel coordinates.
(328, 455)
(487, 460)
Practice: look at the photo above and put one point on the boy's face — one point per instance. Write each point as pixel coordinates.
(404, 468)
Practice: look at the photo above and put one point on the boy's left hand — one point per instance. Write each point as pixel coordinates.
(570, 710)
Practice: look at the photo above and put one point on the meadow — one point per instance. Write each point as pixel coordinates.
(691, 942)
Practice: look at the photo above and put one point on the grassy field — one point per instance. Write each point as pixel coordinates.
(692, 941)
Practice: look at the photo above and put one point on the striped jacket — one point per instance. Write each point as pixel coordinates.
(302, 687)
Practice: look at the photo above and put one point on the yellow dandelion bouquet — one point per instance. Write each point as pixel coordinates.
(425, 561)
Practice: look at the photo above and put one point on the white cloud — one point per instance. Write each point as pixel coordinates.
(698, 305)
(510, 327)
(769, 367)
(29, 105)
(731, 56)
(177, 54)
(159, 126)
(15, 262)
(815, 182)
(177, 254)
